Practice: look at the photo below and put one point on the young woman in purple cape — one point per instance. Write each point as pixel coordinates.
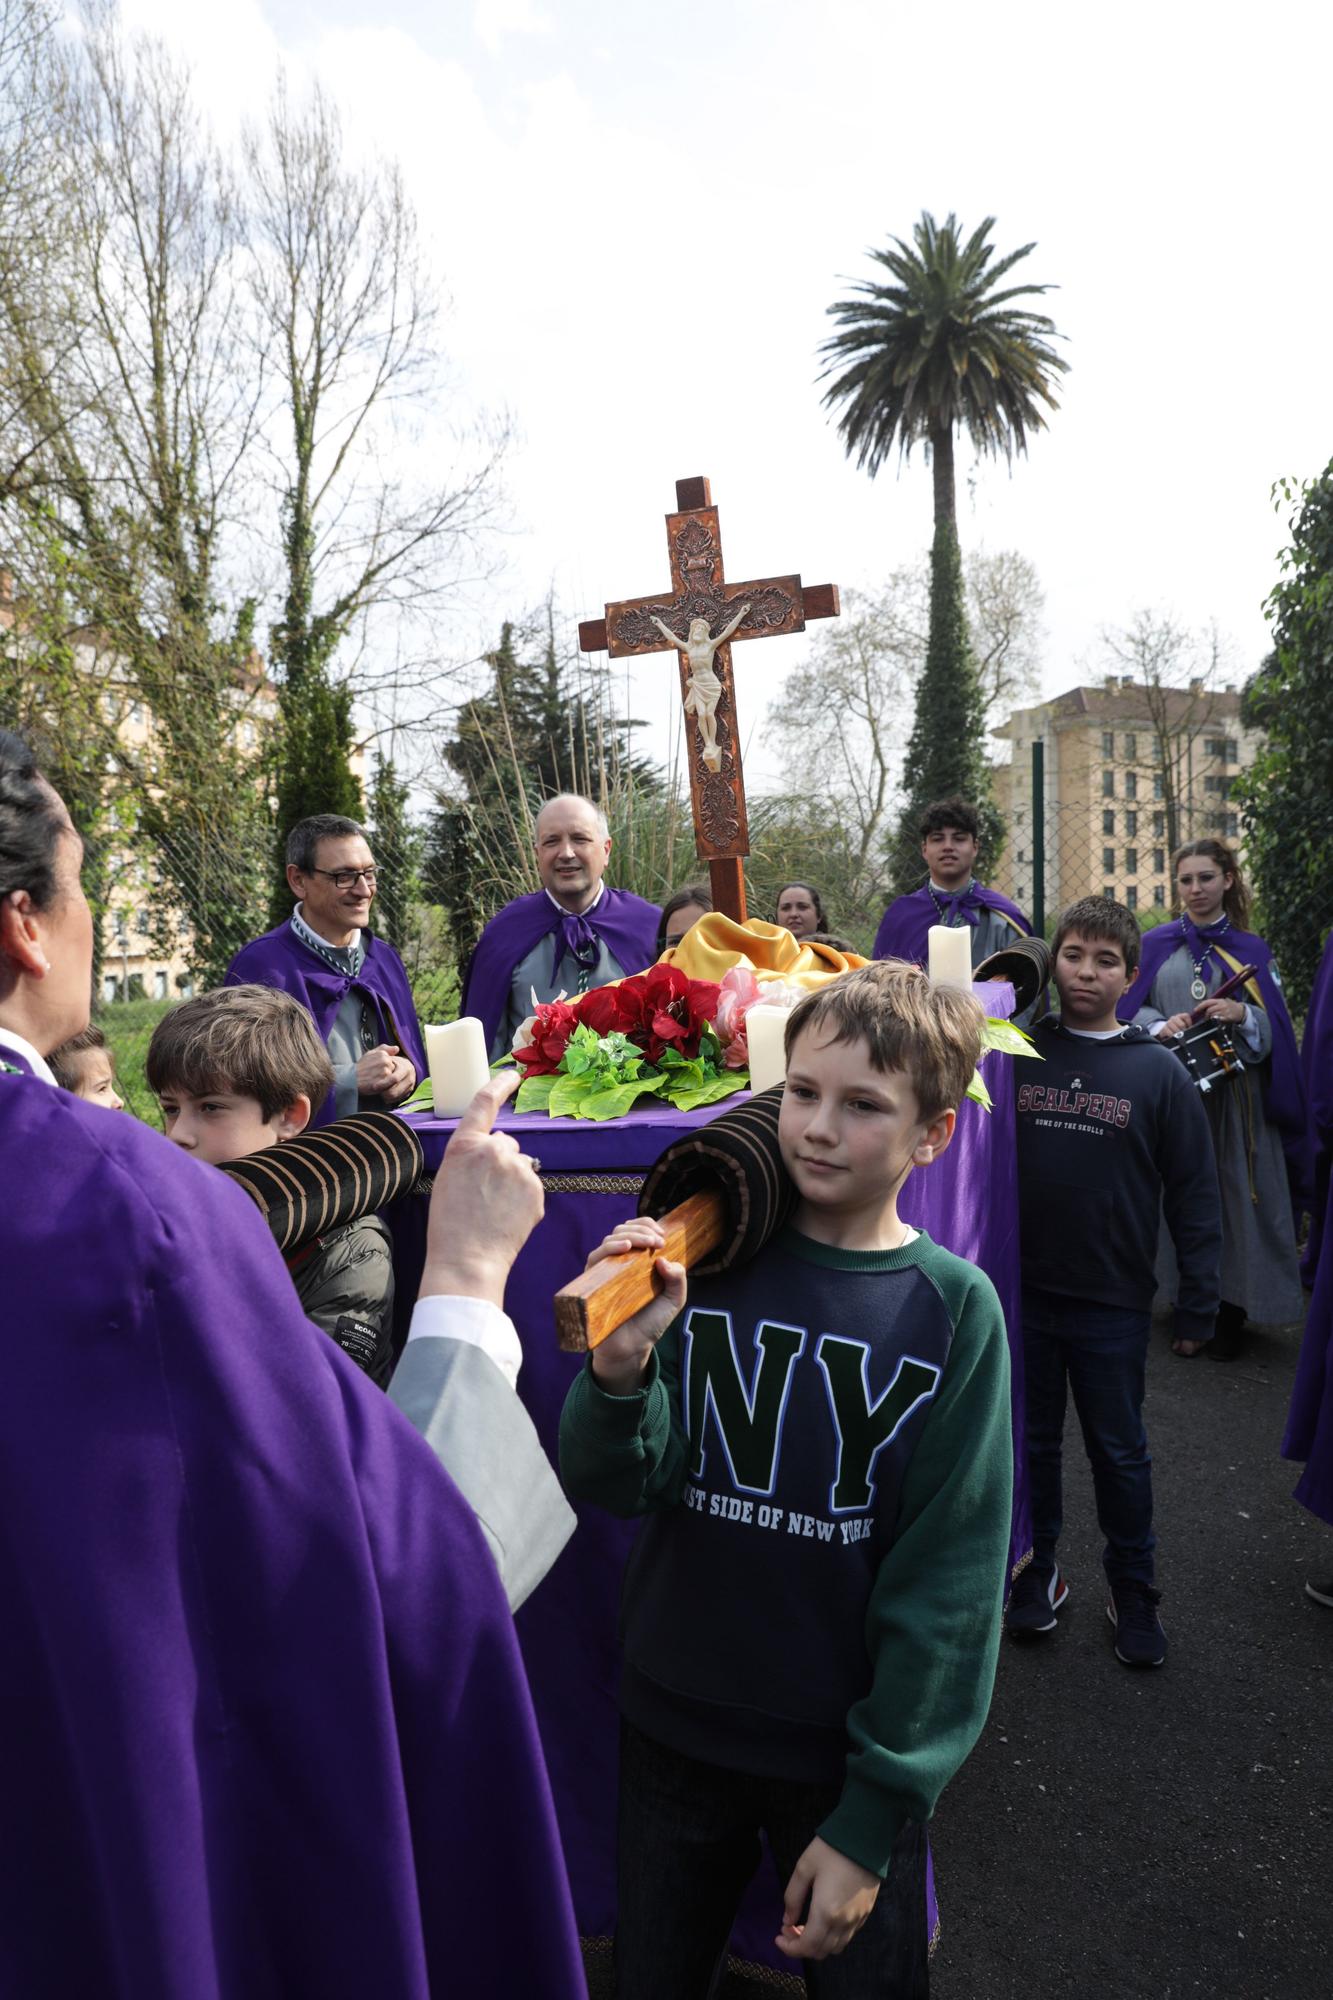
(1258, 1117)
(263, 1723)
(1309, 1433)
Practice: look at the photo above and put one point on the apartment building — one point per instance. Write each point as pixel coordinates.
(1129, 772)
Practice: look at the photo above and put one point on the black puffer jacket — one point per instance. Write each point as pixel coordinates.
(345, 1284)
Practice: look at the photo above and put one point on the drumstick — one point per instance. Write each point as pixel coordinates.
(594, 1304)
(1226, 989)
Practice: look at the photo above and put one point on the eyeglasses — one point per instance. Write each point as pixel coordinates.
(345, 878)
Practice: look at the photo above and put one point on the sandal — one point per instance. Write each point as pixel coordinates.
(1188, 1349)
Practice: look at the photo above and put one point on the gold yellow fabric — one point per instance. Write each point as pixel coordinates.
(714, 944)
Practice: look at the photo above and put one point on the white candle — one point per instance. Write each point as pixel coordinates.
(765, 1028)
(458, 1063)
(951, 955)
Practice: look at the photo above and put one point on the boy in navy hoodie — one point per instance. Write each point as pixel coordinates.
(821, 1443)
(1110, 1137)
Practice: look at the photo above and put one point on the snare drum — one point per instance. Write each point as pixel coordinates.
(1208, 1053)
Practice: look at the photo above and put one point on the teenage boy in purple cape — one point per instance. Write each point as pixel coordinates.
(263, 1722)
(353, 984)
(950, 838)
(1309, 1432)
(572, 934)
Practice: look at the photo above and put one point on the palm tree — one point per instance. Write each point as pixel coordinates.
(938, 348)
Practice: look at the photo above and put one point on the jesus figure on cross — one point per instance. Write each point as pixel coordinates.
(703, 690)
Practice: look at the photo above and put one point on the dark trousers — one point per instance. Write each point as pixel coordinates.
(688, 1843)
(1099, 1353)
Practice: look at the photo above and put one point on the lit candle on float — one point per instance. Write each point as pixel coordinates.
(951, 955)
(458, 1062)
(765, 1033)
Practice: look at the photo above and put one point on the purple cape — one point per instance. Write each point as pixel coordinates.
(626, 924)
(1317, 1070)
(1284, 1091)
(280, 959)
(904, 925)
(1309, 1432)
(264, 1727)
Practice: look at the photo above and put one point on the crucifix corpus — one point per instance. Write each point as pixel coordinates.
(700, 616)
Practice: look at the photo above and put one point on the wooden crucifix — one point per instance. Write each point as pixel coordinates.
(701, 615)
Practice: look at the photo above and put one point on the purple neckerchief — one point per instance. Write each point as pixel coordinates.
(904, 926)
(1284, 1090)
(964, 905)
(279, 958)
(1202, 942)
(575, 938)
(625, 923)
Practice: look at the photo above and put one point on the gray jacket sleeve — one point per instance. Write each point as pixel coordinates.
(479, 1430)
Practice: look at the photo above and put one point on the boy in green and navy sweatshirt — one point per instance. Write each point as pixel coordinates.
(821, 1441)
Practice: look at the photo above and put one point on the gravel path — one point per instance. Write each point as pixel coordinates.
(1170, 1832)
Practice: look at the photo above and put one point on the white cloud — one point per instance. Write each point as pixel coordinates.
(495, 20)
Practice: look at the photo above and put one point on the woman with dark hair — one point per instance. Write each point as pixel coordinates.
(1256, 1114)
(215, 1513)
(800, 910)
(690, 902)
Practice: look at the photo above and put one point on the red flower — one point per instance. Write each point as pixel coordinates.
(676, 1010)
(603, 1010)
(543, 1039)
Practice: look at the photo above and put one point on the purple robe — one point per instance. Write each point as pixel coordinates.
(904, 926)
(279, 958)
(1317, 1071)
(264, 1728)
(1284, 1089)
(626, 924)
(1309, 1434)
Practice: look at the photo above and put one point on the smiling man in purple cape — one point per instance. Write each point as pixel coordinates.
(1309, 1432)
(573, 934)
(353, 984)
(950, 838)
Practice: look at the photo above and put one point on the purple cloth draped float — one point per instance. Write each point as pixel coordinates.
(264, 1728)
(1284, 1090)
(626, 924)
(967, 1201)
(905, 925)
(279, 958)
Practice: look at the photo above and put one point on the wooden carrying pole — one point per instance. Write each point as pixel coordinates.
(594, 1304)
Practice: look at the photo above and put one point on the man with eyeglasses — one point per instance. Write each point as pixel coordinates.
(353, 983)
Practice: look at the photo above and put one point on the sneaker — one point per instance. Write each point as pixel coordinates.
(1036, 1597)
(1322, 1593)
(1139, 1638)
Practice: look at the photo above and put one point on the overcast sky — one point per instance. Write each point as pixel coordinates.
(642, 213)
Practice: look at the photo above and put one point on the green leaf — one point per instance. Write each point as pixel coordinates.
(1003, 1035)
(534, 1093)
(711, 1092)
(567, 1093)
(422, 1098)
(978, 1092)
(619, 1099)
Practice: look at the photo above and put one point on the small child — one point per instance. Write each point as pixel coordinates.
(83, 1066)
(237, 1070)
(822, 1445)
(1110, 1135)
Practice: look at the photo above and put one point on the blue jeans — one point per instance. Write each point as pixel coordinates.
(688, 1843)
(1100, 1353)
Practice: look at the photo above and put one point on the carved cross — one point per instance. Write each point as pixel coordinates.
(699, 589)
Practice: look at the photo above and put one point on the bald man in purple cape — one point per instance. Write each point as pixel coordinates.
(573, 934)
(353, 984)
(950, 839)
(1309, 1432)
